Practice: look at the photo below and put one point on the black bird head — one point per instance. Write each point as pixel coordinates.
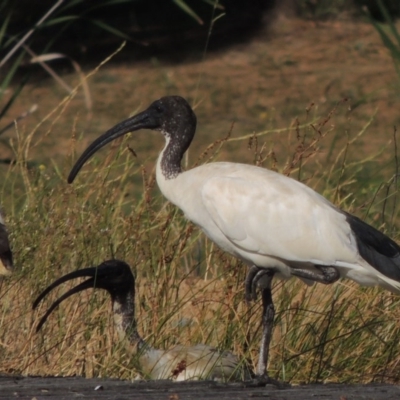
(113, 275)
(171, 115)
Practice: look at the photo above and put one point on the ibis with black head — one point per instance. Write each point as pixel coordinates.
(277, 225)
(178, 363)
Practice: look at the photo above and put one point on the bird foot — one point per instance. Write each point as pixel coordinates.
(264, 380)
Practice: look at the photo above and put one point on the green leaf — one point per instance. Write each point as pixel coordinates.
(60, 20)
(14, 96)
(389, 20)
(181, 4)
(215, 3)
(10, 74)
(4, 28)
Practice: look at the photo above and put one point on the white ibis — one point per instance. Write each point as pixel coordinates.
(6, 258)
(275, 224)
(178, 363)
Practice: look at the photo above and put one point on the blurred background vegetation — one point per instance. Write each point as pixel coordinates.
(87, 31)
(84, 28)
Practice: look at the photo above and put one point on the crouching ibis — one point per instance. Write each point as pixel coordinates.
(178, 363)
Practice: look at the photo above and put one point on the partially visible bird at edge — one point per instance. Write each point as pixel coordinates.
(6, 257)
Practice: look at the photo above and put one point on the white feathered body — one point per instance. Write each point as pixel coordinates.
(269, 220)
(182, 363)
(178, 363)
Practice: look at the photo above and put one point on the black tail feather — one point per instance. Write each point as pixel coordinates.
(377, 249)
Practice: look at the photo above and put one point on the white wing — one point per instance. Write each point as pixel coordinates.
(275, 216)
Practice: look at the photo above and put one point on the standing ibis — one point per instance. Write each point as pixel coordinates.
(178, 363)
(275, 224)
(6, 258)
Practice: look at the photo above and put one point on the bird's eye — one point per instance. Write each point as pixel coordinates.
(159, 108)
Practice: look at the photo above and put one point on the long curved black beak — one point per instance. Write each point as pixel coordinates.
(88, 284)
(143, 120)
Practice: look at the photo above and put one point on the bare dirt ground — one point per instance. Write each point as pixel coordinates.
(107, 389)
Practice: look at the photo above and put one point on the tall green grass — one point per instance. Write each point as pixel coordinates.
(188, 291)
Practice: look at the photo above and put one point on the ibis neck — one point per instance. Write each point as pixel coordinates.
(170, 159)
(175, 147)
(125, 321)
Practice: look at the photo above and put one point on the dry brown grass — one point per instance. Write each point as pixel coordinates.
(189, 291)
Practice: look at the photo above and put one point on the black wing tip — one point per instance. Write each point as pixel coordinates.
(376, 248)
